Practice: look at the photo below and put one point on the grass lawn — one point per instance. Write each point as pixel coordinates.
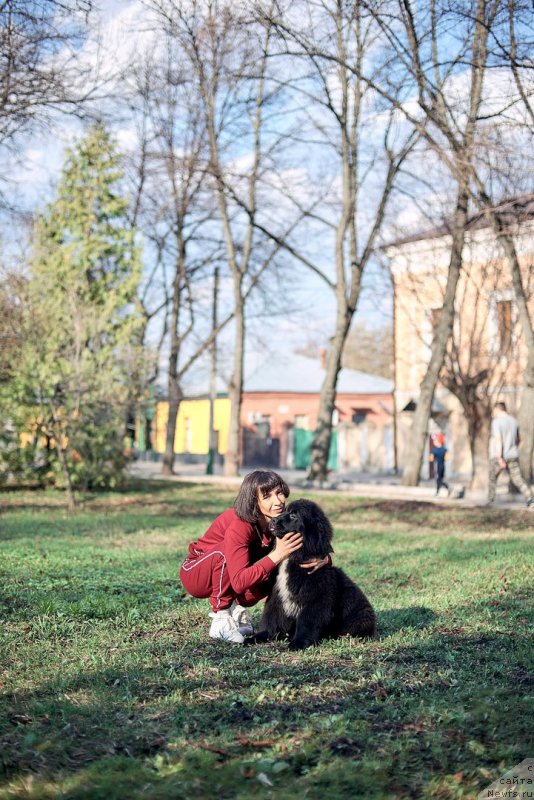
(111, 688)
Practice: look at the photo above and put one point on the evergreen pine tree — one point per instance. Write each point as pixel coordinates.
(80, 337)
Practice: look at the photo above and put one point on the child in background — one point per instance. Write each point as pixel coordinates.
(439, 455)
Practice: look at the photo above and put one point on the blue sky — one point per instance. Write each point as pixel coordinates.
(123, 30)
(38, 169)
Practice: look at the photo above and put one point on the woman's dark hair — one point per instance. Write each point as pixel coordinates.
(246, 502)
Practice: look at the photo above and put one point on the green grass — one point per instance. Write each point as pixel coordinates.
(111, 687)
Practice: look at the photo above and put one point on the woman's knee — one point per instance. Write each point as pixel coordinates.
(199, 577)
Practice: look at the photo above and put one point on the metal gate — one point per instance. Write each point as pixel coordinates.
(260, 450)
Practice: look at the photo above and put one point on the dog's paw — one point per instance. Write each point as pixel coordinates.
(298, 644)
(256, 638)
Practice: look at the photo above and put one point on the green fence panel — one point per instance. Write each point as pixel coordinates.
(332, 453)
(302, 449)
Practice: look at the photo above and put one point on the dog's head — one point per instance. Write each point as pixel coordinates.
(286, 522)
(310, 520)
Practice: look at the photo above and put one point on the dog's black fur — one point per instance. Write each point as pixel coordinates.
(311, 606)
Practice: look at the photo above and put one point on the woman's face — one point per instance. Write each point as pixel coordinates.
(273, 504)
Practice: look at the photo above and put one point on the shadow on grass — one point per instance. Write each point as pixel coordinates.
(396, 619)
(37, 523)
(431, 515)
(91, 526)
(183, 499)
(416, 703)
(422, 709)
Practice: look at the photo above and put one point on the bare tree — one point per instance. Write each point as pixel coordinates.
(332, 42)
(33, 77)
(40, 70)
(482, 353)
(506, 233)
(461, 142)
(228, 59)
(500, 187)
(369, 349)
(450, 128)
(173, 211)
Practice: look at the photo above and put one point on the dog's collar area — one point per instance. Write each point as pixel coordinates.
(265, 537)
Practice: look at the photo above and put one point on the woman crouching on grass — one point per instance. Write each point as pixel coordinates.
(234, 563)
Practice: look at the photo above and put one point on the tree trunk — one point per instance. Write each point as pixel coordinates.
(57, 435)
(233, 449)
(175, 398)
(462, 156)
(71, 500)
(323, 434)
(479, 433)
(173, 383)
(526, 411)
(526, 422)
(419, 430)
(213, 377)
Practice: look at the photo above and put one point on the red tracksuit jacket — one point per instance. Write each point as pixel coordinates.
(240, 550)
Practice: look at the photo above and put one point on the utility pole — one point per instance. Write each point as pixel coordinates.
(394, 393)
(212, 451)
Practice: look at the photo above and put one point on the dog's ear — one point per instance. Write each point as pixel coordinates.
(294, 521)
(324, 528)
(315, 520)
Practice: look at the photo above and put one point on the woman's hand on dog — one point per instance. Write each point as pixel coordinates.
(316, 563)
(285, 546)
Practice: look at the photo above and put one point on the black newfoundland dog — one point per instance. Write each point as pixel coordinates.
(309, 606)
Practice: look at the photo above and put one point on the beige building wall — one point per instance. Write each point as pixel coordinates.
(367, 447)
(485, 287)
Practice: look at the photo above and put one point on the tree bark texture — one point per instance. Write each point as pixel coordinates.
(233, 449)
(479, 433)
(323, 434)
(173, 381)
(62, 458)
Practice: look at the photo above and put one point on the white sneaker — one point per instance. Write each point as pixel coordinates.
(242, 619)
(224, 627)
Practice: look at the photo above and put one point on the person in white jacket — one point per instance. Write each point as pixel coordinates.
(504, 453)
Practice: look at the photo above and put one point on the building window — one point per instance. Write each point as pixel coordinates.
(359, 415)
(504, 324)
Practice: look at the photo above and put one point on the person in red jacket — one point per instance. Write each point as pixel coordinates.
(234, 562)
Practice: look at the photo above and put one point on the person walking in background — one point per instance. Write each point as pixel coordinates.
(504, 453)
(439, 455)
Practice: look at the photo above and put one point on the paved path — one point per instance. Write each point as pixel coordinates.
(355, 483)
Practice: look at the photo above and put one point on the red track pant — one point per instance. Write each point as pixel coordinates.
(206, 575)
